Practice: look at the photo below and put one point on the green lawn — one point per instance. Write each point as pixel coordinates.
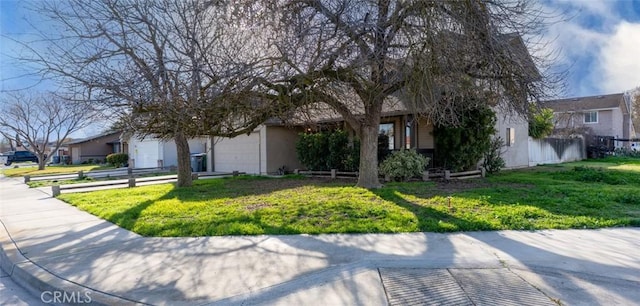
(52, 170)
(568, 196)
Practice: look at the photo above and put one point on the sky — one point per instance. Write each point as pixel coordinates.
(596, 42)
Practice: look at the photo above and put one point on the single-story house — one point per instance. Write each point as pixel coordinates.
(95, 148)
(272, 145)
(603, 115)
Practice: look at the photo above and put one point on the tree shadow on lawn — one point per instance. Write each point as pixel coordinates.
(430, 219)
(522, 204)
(249, 186)
(251, 224)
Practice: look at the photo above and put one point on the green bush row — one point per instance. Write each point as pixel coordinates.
(118, 159)
(328, 150)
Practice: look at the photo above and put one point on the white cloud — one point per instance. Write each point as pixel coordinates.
(618, 60)
(597, 46)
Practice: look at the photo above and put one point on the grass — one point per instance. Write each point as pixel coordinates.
(545, 197)
(66, 169)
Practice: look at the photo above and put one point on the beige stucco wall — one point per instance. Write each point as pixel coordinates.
(610, 122)
(517, 155)
(425, 135)
(280, 150)
(604, 127)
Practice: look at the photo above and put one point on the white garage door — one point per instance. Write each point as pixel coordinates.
(146, 154)
(241, 153)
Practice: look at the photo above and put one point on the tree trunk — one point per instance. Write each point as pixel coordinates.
(184, 161)
(368, 173)
(41, 160)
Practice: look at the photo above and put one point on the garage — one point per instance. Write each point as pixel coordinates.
(241, 153)
(145, 153)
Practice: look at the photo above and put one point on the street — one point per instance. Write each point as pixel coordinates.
(12, 294)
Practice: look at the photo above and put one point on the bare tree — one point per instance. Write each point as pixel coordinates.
(40, 119)
(167, 68)
(437, 56)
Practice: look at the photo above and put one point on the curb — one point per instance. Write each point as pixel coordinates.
(41, 283)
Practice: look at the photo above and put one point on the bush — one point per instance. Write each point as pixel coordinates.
(541, 123)
(626, 152)
(118, 159)
(461, 147)
(493, 160)
(328, 150)
(403, 165)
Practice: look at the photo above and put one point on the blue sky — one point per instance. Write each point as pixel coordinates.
(598, 45)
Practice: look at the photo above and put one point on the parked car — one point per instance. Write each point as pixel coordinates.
(18, 156)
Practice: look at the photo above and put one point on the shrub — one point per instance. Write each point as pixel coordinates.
(118, 159)
(626, 152)
(541, 123)
(383, 147)
(338, 147)
(493, 160)
(328, 150)
(461, 147)
(403, 165)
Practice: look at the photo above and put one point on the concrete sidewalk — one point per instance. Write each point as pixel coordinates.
(49, 246)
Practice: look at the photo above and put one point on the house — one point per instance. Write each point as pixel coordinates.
(603, 116)
(95, 148)
(58, 156)
(272, 145)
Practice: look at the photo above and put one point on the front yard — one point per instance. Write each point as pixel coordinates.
(566, 196)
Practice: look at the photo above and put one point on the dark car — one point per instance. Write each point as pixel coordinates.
(19, 156)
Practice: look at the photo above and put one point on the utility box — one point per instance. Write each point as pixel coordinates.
(198, 162)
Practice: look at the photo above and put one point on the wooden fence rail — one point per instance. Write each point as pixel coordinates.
(427, 175)
(131, 182)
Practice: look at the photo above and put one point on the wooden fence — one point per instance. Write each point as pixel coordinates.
(426, 176)
(130, 182)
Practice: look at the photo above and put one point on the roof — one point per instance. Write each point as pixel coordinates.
(79, 141)
(585, 103)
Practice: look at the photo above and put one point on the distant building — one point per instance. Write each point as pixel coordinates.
(604, 115)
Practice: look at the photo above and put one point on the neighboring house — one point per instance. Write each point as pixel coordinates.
(605, 115)
(96, 148)
(59, 156)
(151, 152)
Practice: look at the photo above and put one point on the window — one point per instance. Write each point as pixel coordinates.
(511, 137)
(591, 117)
(387, 130)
